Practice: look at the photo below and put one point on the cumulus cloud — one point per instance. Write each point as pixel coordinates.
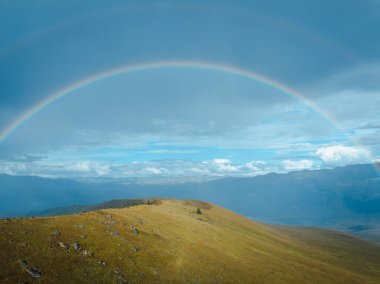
(340, 155)
(89, 167)
(251, 166)
(224, 165)
(291, 165)
(152, 170)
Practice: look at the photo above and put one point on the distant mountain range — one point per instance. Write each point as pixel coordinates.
(345, 198)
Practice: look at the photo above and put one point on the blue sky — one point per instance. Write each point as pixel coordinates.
(177, 122)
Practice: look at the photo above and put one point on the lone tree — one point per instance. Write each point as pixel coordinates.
(199, 211)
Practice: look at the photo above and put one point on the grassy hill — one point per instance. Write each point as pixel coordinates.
(345, 199)
(168, 242)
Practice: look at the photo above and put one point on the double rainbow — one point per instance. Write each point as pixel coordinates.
(122, 70)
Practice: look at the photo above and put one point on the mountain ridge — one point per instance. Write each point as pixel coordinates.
(168, 242)
(341, 199)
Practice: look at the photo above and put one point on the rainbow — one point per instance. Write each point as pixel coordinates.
(245, 73)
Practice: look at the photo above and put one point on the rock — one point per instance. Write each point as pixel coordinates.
(63, 245)
(122, 279)
(135, 249)
(115, 234)
(76, 246)
(34, 272)
(135, 231)
(101, 262)
(56, 232)
(23, 263)
(85, 253)
(113, 222)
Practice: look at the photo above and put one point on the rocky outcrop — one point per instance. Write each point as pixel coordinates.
(34, 272)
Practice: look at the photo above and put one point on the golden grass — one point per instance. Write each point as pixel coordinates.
(176, 245)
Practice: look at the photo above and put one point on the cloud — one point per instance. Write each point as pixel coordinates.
(152, 170)
(340, 155)
(12, 168)
(363, 77)
(257, 167)
(224, 165)
(221, 161)
(252, 167)
(89, 167)
(291, 165)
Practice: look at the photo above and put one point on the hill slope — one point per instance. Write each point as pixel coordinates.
(169, 243)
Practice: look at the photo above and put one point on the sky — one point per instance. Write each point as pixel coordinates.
(221, 88)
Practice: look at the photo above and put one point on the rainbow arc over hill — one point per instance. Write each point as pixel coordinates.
(132, 68)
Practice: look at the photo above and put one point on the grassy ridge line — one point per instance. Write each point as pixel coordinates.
(76, 209)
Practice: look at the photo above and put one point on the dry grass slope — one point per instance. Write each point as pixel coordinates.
(169, 243)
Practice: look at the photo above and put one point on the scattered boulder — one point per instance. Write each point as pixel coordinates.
(115, 234)
(63, 245)
(76, 246)
(135, 249)
(23, 263)
(34, 272)
(56, 233)
(122, 279)
(86, 253)
(135, 231)
(101, 262)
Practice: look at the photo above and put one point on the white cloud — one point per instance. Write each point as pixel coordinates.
(199, 171)
(224, 165)
(228, 168)
(340, 155)
(221, 161)
(10, 168)
(252, 167)
(89, 167)
(152, 170)
(297, 165)
(80, 167)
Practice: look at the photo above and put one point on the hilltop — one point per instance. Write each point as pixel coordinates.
(166, 241)
(345, 199)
